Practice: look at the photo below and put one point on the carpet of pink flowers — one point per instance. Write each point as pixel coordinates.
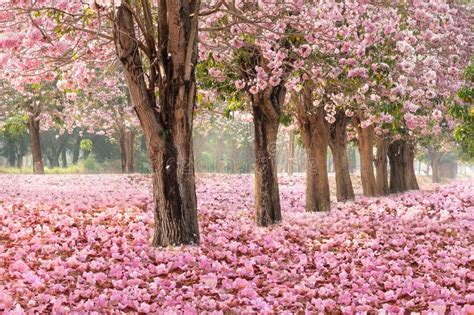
(80, 243)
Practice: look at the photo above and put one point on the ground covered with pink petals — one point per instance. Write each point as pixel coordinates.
(80, 243)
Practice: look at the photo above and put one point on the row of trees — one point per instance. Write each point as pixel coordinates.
(220, 145)
(384, 73)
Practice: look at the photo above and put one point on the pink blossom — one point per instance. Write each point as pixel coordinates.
(253, 89)
(304, 51)
(240, 84)
(357, 73)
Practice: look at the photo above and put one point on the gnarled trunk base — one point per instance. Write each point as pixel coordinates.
(167, 131)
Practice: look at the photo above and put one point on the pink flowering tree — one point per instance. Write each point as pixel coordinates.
(429, 55)
(157, 46)
(462, 110)
(341, 41)
(105, 108)
(253, 46)
(43, 107)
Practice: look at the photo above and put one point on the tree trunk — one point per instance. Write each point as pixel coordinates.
(427, 169)
(317, 183)
(34, 129)
(64, 158)
(129, 141)
(291, 151)
(218, 154)
(19, 161)
(402, 168)
(121, 136)
(56, 149)
(410, 175)
(435, 158)
(77, 150)
(315, 136)
(381, 165)
(397, 167)
(448, 169)
(53, 160)
(338, 145)
(167, 129)
(127, 138)
(302, 159)
(366, 140)
(266, 107)
(12, 156)
(234, 166)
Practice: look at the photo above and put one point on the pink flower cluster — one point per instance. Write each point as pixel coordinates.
(81, 244)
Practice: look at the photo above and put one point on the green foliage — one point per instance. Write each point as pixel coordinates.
(73, 169)
(90, 164)
(286, 119)
(466, 94)
(469, 73)
(86, 145)
(15, 127)
(464, 112)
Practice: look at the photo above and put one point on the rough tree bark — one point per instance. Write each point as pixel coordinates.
(366, 143)
(167, 128)
(435, 157)
(338, 145)
(291, 152)
(381, 165)
(410, 175)
(127, 141)
(402, 169)
(267, 106)
(34, 129)
(397, 167)
(315, 136)
(129, 151)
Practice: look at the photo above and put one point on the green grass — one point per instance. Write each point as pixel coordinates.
(73, 169)
(14, 170)
(86, 166)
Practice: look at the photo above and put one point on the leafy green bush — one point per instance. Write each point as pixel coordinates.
(90, 164)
